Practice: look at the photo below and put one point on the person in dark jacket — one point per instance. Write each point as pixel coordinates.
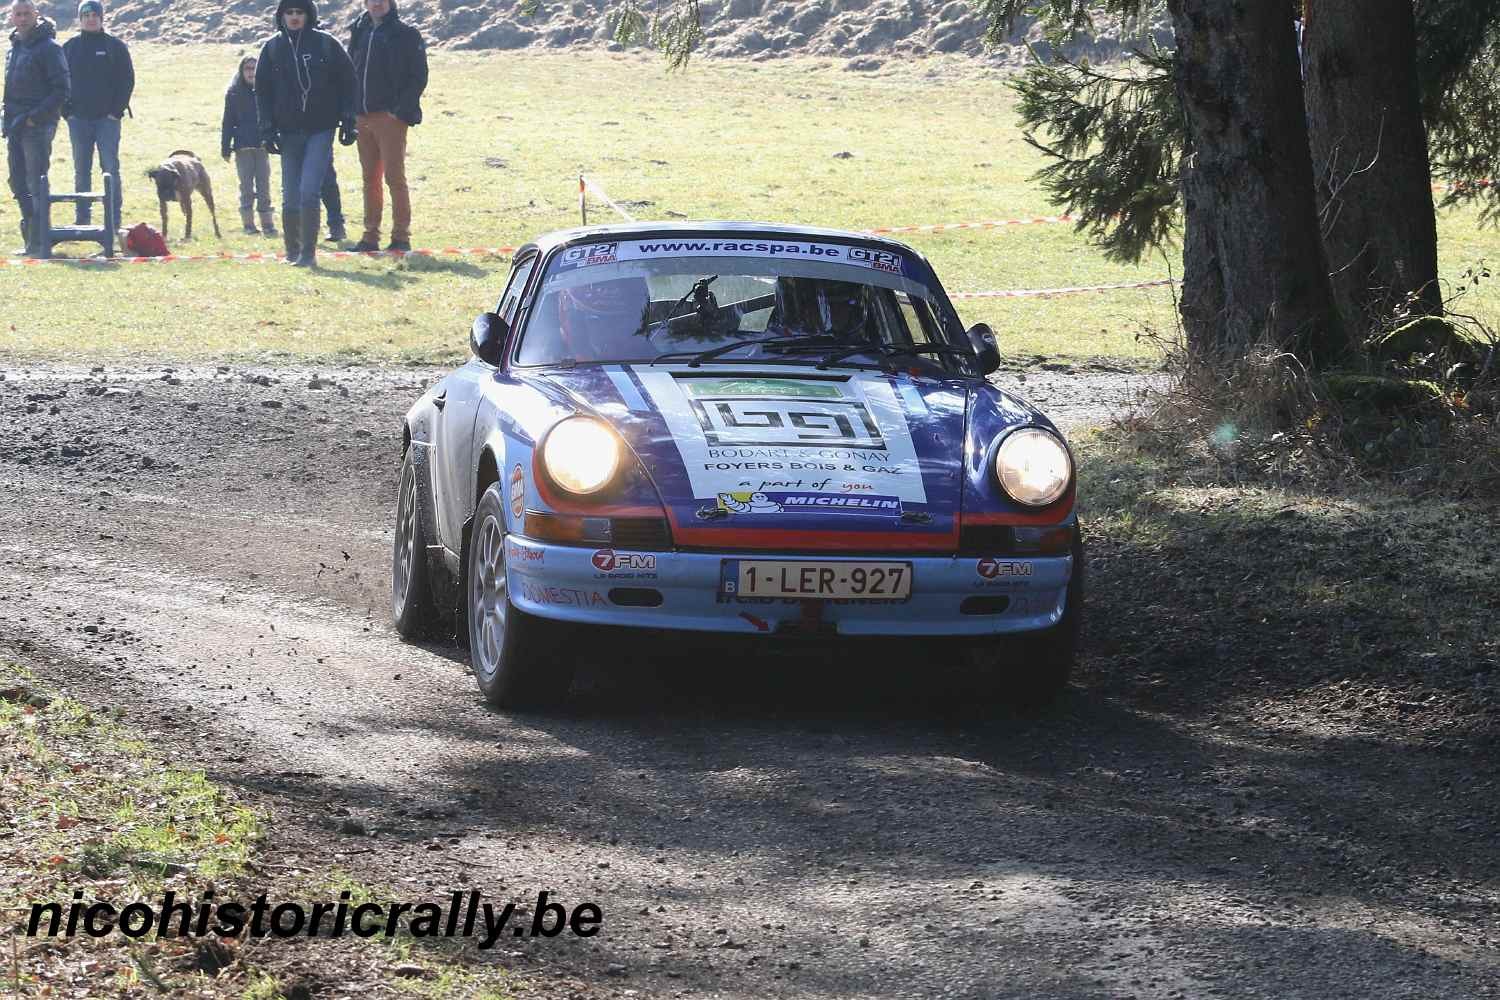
(304, 90)
(390, 71)
(102, 76)
(239, 138)
(36, 88)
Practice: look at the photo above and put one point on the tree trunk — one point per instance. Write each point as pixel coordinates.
(1254, 267)
(1369, 153)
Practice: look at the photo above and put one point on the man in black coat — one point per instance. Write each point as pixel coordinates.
(304, 89)
(103, 78)
(36, 88)
(390, 70)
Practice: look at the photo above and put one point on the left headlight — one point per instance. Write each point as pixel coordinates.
(581, 455)
(1033, 466)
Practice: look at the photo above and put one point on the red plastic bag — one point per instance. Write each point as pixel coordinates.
(143, 241)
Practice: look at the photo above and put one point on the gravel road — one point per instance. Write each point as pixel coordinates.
(209, 549)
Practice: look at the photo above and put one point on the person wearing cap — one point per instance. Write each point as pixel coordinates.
(390, 72)
(239, 140)
(103, 78)
(36, 88)
(304, 91)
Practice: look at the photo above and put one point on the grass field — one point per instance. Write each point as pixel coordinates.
(496, 161)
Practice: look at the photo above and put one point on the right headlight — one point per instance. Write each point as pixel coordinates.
(581, 455)
(1033, 466)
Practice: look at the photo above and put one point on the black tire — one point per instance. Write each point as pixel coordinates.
(523, 667)
(1037, 666)
(411, 597)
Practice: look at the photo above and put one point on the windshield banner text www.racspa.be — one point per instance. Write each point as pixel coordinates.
(594, 254)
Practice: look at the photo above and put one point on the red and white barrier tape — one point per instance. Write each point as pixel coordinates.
(268, 258)
(1047, 293)
(943, 227)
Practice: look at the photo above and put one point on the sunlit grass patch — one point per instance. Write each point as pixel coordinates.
(497, 161)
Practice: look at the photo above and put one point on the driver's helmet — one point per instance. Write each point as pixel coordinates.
(819, 306)
(600, 321)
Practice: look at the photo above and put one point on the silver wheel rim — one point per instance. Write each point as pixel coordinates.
(406, 540)
(488, 605)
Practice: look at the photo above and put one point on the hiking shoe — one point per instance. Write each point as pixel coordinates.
(365, 246)
(402, 245)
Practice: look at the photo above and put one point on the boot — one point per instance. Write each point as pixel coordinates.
(310, 222)
(336, 232)
(268, 223)
(247, 219)
(291, 234)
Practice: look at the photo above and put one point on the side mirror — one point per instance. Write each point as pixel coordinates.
(487, 338)
(982, 339)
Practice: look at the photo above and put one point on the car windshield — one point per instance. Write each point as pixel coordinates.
(728, 302)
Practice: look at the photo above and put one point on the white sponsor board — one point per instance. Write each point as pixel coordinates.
(784, 434)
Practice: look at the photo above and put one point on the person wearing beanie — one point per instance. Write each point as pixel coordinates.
(239, 139)
(390, 74)
(103, 79)
(36, 88)
(304, 91)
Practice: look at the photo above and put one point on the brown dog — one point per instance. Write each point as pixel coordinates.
(177, 177)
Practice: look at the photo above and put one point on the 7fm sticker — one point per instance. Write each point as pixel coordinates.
(991, 569)
(517, 492)
(610, 561)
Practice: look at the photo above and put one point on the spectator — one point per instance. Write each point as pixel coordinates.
(239, 137)
(304, 89)
(103, 78)
(36, 88)
(390, 63)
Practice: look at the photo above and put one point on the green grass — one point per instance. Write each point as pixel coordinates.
(933, 141)
(93, 807)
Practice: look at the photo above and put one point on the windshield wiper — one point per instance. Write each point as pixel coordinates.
(887, 351)
(697, 358)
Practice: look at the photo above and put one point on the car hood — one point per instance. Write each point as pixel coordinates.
(778, 458)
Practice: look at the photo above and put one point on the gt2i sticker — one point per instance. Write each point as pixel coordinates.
(822, 438)
(587, 256)
(818, 503)
(881, 260)
(517, 492)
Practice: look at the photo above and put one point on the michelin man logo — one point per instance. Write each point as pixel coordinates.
(748, 503)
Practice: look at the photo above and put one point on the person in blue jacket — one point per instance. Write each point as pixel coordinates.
(36, 88)
(304, 91)
(239, 139)
(103, 79)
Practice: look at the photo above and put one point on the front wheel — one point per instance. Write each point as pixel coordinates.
(1038, 665)
(517, 658)
(411, 600)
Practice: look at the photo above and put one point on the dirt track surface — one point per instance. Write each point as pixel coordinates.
(209, 550)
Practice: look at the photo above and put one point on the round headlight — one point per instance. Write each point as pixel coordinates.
(581, 455)
(1033, 466)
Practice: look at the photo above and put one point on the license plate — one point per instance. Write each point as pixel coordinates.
(827, 580)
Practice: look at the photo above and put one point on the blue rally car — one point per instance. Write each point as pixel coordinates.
(750, 430)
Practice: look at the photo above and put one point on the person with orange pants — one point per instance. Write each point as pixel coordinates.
(390, 73)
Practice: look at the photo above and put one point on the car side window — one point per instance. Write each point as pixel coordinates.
(918, 323)
(510, 302)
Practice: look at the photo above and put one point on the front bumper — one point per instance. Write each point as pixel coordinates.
(562, 582)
